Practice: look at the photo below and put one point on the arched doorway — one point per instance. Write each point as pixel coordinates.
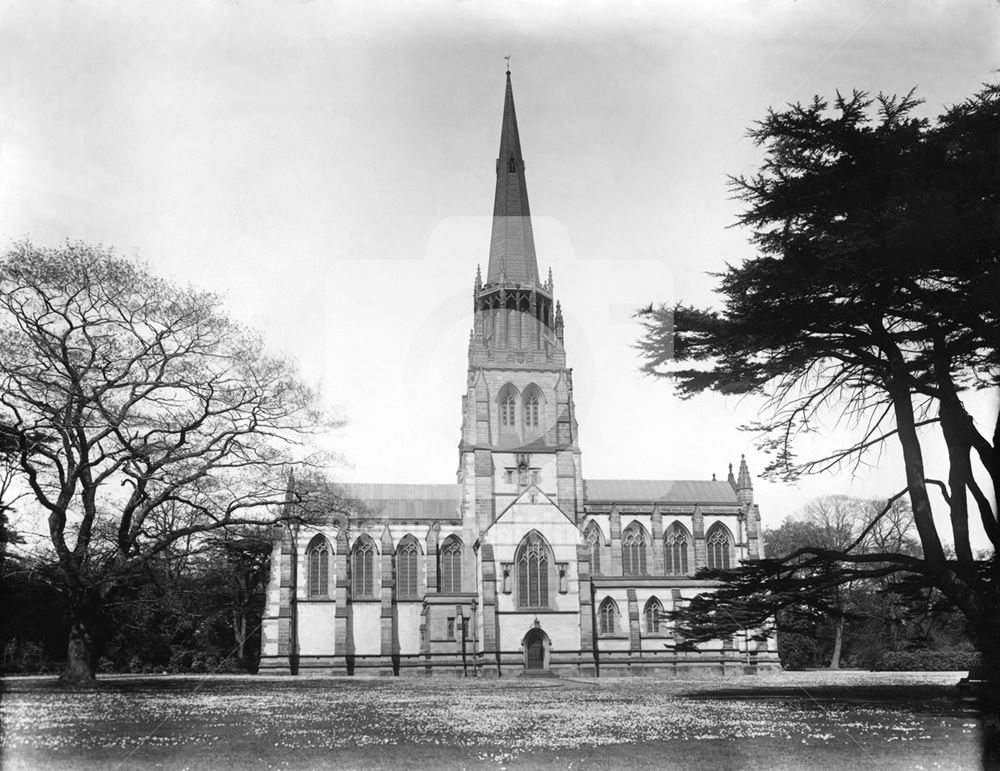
(534, 649)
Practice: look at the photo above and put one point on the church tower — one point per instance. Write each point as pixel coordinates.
(518, 426)
(522, 566)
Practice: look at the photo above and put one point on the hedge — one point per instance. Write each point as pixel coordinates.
(928, 661)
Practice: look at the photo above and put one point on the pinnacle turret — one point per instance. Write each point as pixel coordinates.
(744, 487)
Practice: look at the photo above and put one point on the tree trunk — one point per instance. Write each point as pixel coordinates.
(838, 642)
(240, 632)
(79, 654)
(989, 700)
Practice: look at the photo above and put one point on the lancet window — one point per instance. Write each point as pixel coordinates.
(450, 566)
(533, 563)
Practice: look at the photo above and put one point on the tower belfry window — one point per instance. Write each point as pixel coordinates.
(531, 412)
(508, 412)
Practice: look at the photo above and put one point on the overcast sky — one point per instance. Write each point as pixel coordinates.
(330, 168)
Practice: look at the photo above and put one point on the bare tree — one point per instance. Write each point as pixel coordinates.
(835, 516)
(140, 417)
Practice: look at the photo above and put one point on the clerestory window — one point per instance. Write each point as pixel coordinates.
(675, 551)
(407, 574)
(719, 545)
(450, 566)
(318, 575)
(634, 551)
(363, 568)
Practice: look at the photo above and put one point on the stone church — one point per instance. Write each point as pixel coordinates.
(523, 565)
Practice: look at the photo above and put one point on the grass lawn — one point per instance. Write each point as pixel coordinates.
(842, 720)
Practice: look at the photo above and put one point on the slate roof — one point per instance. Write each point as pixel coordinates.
(658, 491)
(405, 501)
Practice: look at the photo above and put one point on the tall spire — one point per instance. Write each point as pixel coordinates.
(512, 246)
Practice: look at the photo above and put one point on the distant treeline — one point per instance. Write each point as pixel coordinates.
(873, 623)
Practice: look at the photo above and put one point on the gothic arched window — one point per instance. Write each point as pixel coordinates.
(719, 544)
(450, 566)
(363, 568)
(508, 411)
(675, 550)
(407, 573)
(533, 573)
(531, 411)
(653, 612)
(318, 572)
(593, 537)
(606, 616)
(634, 550)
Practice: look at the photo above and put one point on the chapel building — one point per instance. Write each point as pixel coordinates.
(523, 565)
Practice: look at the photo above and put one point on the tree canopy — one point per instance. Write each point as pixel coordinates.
(874, 297)
(139, 417)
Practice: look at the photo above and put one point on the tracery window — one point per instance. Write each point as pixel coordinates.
(531, 409)
(533, 573)
(318, 574)
(719, 544)
(653, 614)
(450, 566)
(407, 562)
(363, 568)
(675, 550)
(606, 616)
(593, 537)
(508, 412)
(634, 551)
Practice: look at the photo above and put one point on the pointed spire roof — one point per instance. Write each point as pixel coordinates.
(512, 246)
(744, 482)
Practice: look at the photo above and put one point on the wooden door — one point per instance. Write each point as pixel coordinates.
(535, 653)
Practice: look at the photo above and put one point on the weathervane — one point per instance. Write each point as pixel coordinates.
(507, 59)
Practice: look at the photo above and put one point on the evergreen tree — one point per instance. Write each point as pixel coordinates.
(875, 297)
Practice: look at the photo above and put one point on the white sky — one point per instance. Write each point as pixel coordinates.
(330, 168)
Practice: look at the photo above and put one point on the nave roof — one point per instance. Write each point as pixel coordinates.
(686, 491)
